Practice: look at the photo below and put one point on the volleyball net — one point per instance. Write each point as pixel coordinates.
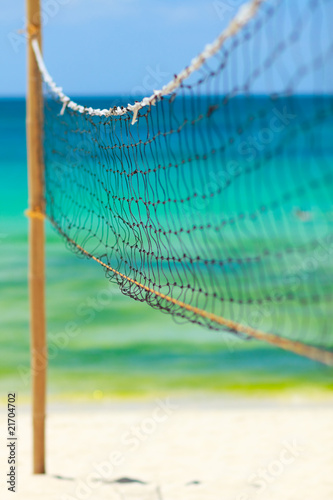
(211, 199)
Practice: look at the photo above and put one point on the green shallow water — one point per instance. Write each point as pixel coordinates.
(100, 340)
(105, 344)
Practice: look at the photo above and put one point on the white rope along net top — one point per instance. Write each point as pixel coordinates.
(246, 12)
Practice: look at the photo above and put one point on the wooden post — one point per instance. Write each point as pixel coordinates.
(34, 126)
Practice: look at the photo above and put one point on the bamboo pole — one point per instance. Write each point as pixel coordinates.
(34, 125)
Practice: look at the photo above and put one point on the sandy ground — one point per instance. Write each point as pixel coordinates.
(177, 449)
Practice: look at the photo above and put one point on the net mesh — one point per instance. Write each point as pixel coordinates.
(220, 195)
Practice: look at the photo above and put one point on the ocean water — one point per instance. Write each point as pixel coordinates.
(104, 344)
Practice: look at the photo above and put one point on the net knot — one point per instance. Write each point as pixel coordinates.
(66, 100)
(135, 109)
(34, 213)
(33, 30)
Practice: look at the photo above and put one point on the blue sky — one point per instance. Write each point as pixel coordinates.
(106, 47)
(110, 46)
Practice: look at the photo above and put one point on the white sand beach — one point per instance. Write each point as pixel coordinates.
(174, 449)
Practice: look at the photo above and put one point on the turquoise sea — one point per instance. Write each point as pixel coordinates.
(102, 343)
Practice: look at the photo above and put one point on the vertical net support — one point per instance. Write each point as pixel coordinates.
(34, 126)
